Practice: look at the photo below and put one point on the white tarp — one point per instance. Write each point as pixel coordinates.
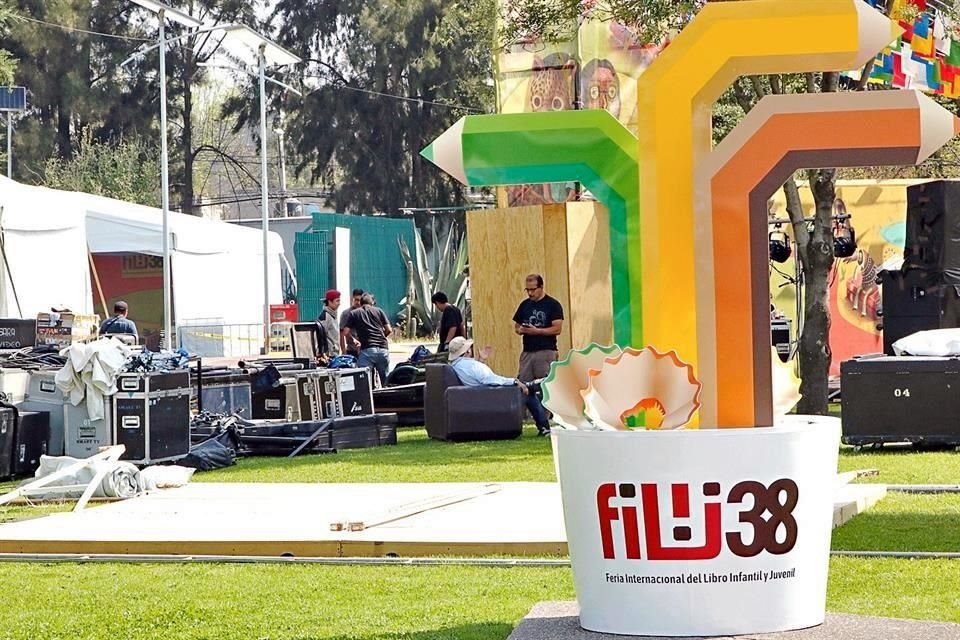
(936, 342)
(217, 267)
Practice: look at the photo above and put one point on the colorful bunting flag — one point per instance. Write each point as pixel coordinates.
(926, 57)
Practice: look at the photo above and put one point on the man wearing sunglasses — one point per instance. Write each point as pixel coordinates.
(539, 320)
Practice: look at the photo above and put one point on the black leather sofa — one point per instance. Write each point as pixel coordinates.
(459, 413)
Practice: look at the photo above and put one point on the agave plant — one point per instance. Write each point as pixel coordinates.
(441, 269)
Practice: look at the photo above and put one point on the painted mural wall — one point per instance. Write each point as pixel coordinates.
(879, 214)
(597, 68)
(137, 279)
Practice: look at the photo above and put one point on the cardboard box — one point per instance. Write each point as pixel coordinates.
(63, 328)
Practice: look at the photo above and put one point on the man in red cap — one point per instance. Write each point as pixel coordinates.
(328, 320)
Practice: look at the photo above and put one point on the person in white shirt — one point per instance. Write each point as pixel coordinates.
(473, 373)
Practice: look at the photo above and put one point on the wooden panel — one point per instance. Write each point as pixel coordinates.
(569, 245)
(505, 245)
(588, 249)
(556, 274)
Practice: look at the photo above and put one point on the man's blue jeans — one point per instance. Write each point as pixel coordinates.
(537, 411)
(375, 358)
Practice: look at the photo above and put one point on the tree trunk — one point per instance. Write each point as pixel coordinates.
(816, 258)
(64, 142)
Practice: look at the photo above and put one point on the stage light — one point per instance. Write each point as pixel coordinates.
(780, 250)
(844, 239)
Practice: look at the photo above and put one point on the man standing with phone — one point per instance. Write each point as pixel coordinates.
(539, 319)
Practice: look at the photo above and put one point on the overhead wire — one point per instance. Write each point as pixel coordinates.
(449, 105)
(77, 29)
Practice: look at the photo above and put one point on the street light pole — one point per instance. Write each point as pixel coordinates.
(265, 201)
(280, 131)
(165, 191)
(261, 52)
(10, 145)
(265, 51)
(164, 13)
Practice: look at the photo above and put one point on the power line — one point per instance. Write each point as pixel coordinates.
(78, 30)
(449, 105)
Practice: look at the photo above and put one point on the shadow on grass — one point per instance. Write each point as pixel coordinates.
(479, 631)
(877, 531)
(897, 449)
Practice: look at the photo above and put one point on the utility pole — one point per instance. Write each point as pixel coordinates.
(283, 167)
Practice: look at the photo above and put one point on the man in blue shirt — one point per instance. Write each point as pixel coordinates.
(119, 323)
(473, 373)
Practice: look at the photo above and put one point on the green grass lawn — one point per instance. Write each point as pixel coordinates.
(527, 459)
(365, 603)
(415, 459)
(905, 522)
(902, 465)
(22, 512)
(301, 602)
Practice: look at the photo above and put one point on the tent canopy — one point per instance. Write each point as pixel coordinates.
(115, 226)
(217, 267)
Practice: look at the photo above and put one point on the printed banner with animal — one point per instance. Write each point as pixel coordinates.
(878, 215)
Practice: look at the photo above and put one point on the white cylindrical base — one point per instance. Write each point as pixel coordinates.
(700, 532)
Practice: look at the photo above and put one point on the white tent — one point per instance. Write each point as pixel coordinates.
(217, 267)
(45, 246)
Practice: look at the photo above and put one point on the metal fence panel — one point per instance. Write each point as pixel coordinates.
(312, 251)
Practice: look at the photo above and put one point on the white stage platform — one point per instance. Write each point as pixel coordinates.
(415, 520)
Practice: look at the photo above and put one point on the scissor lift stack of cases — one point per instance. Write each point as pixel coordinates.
(151, 416)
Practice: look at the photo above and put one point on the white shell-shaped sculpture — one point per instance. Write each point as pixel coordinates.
(568, 378)
(786, 385)
(638, 388)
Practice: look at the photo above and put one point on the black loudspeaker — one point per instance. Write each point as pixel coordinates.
(933, 230)
(8, 427)
(910, 303)
(32, 436)
(900, 400)
(780, 337)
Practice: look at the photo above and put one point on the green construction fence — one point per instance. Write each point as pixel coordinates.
(376, 264)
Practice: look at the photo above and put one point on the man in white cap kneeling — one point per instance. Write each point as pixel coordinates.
(473, 373)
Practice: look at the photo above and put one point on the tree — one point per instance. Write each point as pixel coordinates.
(383, 80)
(652, 20)
(187, 72)
(121, 169)
(8, 64)
(72, 50)
(74, 77)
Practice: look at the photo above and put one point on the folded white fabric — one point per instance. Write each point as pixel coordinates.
(122, 479)
(165, 476)
(91, 373)
(936, 342)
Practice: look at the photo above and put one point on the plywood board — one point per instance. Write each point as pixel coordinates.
(505, 245)
(568, 244)
(556, 272)
(588, 256)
